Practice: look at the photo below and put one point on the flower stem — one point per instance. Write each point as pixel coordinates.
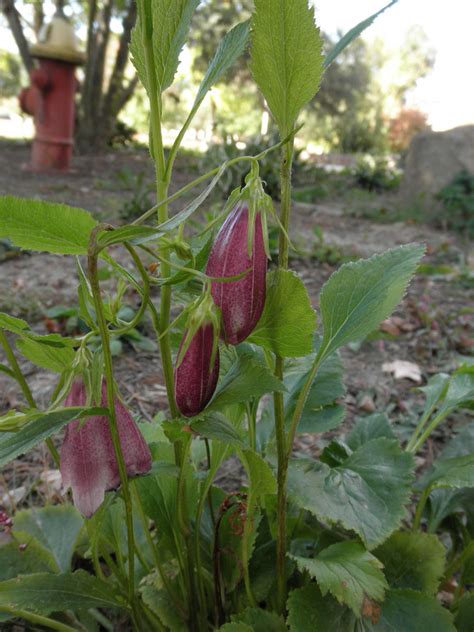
(110, 388)
(20, 378)
(420, 507)
(37, 619)
(285, 179)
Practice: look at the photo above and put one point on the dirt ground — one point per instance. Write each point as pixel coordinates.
(432, 328)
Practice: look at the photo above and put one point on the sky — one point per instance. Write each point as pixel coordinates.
(447, 94)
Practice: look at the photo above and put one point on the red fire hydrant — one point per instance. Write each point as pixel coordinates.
(50, 98)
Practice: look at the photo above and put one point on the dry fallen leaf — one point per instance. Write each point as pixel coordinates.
(402, 369)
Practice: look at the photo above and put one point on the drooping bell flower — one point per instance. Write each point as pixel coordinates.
(88, 462)
(240, 248)
(197, 364)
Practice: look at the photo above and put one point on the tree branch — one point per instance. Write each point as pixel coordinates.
(13, 17)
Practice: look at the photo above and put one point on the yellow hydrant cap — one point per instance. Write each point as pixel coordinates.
(57, 40)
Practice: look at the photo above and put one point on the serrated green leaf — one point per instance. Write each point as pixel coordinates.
(45, 593)
(47, 356)
(259, 472)
(320, 412)
(455, 473)
(465, 613)
(366, 494)
(286, 58)
(33, 559)
(15, 325)
(348, 572)
(38, 225)
(309, 611)
(247, 378)
(260, 620)
(286, 326)
(167, 30)
(412, 611)
(351, 35)
(16, 443)
(413, 560)
(360, 295)
(216, 426)
(162, 605)
(230, 48)
(460, 391)
(56, 528)
(365, 429)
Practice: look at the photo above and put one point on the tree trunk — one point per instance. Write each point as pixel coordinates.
(100, 105)
(13, 17)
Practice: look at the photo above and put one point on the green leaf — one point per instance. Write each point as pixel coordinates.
(360, 295)
(56, 528)
(412, 611)
(286, 326)
(309, 611)
(167, 28)
(465, 613)
(216, 426)
(455, 473)
(365, 429)
(366, 494)
(34, 559)
(235, 627)
(460, 391)
(46, 352)
(259, 472)
(45, 593)
(15, 325)
(434, 391)
(286, 58)
(260, 620)
(249, 377)
(162, 605)
(320, 412)
(39, 225)
(413, 560)
(351, 35)
(229, 50)
(16, 443)
(348, 572)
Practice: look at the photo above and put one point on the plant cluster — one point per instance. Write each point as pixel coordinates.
(151, 542)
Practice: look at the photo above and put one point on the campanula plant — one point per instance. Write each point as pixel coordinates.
(351, 541)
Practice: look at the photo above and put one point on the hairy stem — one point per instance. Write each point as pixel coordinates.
(110, 388)
(20, 378)
(285, 180)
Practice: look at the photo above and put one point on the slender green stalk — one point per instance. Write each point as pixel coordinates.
(110, 388)
(431, 426)
(421, 424)
(187, 187)
(20, 378)
(37, 619)
(458, 562)
(156, 558)
(252, 426)
(420, 507)
(285, 179)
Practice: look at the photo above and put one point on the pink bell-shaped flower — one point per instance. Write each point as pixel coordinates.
(88, 463)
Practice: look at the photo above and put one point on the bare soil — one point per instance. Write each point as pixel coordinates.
(432, 327)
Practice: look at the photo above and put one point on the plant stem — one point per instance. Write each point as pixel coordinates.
(285, 179)
(419, 508)
(37, 619)
(110, 387)
(456, 564)
(20, 378)
(431, 426)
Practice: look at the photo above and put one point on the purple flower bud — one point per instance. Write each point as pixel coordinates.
(196, 374)
(88, 463)
(241, 302)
